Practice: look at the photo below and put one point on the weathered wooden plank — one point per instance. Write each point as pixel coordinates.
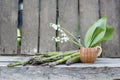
(47, 16)
(8, 26)
(68, 18)
(4, 63)
(102, 69)
(30, 27)
(95, 71)
(111, 9)
(13, 58)
(88, 15)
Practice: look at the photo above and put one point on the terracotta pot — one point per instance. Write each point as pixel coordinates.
(89, 55)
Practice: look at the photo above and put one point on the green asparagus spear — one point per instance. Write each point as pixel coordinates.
(15, 64)
(73, 60)
(50, 54)
(60, 55)
(63, 59)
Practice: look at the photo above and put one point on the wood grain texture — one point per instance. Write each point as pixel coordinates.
(68, 18)
(47, 16)
(30, 27)
(103, 69)
(46, 73)
(8, 26)
(111, 9)
(14, 58)
(88, 15)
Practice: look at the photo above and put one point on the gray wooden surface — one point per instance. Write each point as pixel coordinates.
(102, 69)
(111, 9)
(30, 27)
(47, 16)
(13, 58)
(68, 18)
(44, 73)
(88, 15)
(8, 26)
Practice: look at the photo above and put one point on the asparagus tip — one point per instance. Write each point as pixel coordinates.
(68, 62)
(52, 64)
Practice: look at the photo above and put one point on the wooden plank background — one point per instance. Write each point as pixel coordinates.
(8, 26)
(30, 27)
(68, 18)
(111, 9)
(37, 14)
(47, 16)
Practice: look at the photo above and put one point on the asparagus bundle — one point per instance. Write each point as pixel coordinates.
(51, 59)
(63, 59)
(33, 59)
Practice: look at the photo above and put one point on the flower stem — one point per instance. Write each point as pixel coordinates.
(80, 45)
(67, 32)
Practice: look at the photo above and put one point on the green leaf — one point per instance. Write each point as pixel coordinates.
(107, 36)
(97, 36)
(109, 33)
(93, 31)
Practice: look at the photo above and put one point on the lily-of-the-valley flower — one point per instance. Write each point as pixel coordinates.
(54, 26)
(64, 35)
